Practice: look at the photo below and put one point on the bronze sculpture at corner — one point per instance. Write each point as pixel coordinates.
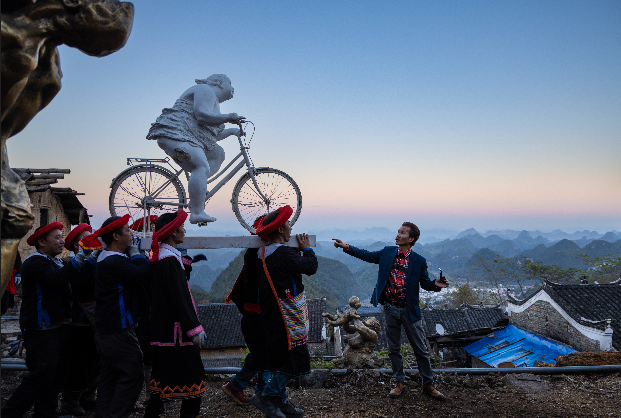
(31, 76)
(361, 337)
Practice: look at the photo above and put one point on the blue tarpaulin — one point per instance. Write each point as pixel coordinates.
(514, 345)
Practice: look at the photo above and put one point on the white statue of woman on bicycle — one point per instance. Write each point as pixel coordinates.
(188, 132)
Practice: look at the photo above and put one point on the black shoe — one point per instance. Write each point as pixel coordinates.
(289, 410)
(268, 404)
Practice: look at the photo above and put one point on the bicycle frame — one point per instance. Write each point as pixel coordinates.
(246, 161)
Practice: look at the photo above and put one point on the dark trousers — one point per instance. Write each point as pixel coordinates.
(395, 318)
(190, 407)
(120, 383)
(83, 359)
(46, 371)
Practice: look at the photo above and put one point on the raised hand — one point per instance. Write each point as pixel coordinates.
(338, 243)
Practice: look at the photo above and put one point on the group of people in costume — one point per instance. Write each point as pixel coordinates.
(98, 326)
(80, 320)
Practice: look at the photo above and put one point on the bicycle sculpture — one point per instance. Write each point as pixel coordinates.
(148, 188)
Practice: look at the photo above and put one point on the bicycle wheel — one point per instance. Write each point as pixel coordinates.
(275, 185)
(132, 192)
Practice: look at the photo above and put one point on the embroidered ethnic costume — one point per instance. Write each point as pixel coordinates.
(177, 366)
(44, 315)
(120, 301)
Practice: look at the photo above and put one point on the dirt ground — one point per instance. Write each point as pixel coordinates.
(363, 394)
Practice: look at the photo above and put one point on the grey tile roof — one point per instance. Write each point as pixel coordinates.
(466, 318)
(221, 323)
(588, 304)
(222, 327)
(596, 302)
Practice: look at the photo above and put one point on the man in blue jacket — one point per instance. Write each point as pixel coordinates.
(401, 272)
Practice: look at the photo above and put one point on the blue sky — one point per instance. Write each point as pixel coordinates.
(449, 114)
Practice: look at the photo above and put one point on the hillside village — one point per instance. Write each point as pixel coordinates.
(467, 257)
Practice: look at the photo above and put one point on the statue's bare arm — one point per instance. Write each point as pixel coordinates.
(207, 107)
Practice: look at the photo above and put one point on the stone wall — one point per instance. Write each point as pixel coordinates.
(542, 319)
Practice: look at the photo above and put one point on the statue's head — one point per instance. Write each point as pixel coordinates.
(95, 27)
(221, 81)
(354, 302)
(373, 324)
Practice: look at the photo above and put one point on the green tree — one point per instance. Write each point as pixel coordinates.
(537, 270)
(605, 269)
(463, 294)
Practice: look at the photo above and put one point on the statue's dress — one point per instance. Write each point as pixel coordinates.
(179, 123)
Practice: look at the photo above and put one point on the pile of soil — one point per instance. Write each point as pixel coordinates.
(589, 359)
(363, 394)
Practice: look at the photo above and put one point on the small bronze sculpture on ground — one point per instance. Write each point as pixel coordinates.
(361, 338)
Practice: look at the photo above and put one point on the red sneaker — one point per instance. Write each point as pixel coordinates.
(239, 397)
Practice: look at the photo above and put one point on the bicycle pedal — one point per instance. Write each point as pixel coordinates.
(203, 223)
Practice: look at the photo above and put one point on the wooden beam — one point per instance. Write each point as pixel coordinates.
(48, 176)
(49, 170)
(228, 241)
(41, 182)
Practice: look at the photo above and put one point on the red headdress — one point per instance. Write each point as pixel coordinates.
(75, 233)
(166, 231)
(137, 226)
(256, 225)
(32, 240)
(284, 213)
(91, 242)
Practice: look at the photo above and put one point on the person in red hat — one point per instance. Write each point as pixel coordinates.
(44, 315)
(81, 383)
(283, 310)
(139, 225)
(176, 331)
(120, 299)
(245, 294)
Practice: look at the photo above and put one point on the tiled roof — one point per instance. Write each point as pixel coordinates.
(222, 327)
(221, 323)
(466, 318)
(588, 304)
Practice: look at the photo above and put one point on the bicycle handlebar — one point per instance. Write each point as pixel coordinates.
(241, 128)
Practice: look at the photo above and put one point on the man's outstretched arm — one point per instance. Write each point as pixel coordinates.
(364, 255)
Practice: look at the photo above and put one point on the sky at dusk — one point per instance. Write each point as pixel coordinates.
(448, 114)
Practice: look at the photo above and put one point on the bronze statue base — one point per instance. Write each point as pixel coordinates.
(359, 358)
